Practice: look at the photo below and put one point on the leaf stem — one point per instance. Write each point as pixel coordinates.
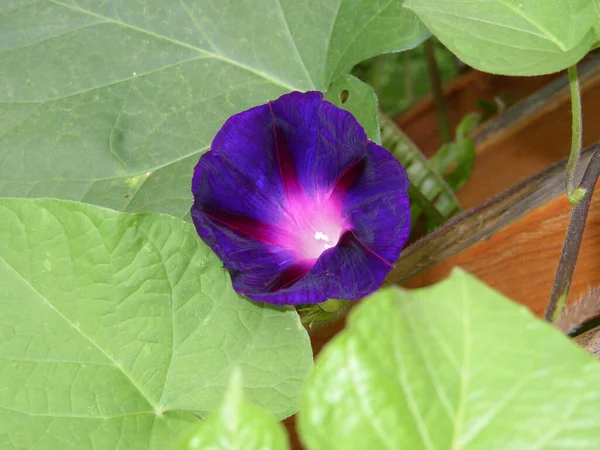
(574, 194)
(438, 93)
(570, 251)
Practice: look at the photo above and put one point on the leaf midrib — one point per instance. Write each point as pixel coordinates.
(114, 362)
(465, 366)
(267, 76)
(536, 25)
(80, 416)
(293, 42)
(543, 33)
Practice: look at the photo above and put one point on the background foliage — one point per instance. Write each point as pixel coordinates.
(400, 79)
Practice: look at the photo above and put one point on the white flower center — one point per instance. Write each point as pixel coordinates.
(314, 227)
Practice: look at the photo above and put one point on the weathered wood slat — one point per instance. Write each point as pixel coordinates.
(512, 242)
(483, 221)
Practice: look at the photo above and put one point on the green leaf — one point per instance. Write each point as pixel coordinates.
(237, 425)
(513, 37)
(118, 330)
(351, 94)
(455, 365)
(112, 103)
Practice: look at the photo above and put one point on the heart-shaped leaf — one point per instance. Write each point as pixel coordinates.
(118, 330)
(455, 365)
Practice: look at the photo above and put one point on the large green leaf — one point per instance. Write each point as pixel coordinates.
(112, 102)
(513, 37)
(117, 330)
(456, 366)
(237, 425)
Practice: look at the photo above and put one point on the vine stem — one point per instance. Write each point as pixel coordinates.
(570, 251)
(574, 194)
(438, 93)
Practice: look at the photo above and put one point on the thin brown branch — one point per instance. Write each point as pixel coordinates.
(570, 251)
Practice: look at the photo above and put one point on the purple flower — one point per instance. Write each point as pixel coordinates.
(299, 204)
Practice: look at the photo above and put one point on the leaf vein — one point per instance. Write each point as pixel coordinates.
(267, 76)
(405, 384)
(84, 335)
(293, 42)
(466, 355)
(357, 34)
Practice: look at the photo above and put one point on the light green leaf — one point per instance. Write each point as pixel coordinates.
(112, 103)
(455, 365)
(118, 330)
(513, 37)
(351, 94)
(237, 425)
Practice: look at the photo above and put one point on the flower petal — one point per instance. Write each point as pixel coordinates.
(377, 204)
(273, 274)
(379, 215)
(299, 205)
(240, 175)
(263, 156)
(322, 139)
(345, 271)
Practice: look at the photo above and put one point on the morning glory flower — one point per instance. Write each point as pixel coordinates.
(299, 204)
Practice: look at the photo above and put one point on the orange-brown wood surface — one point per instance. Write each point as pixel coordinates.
(462, 97)
(521, 259)
(530, 146)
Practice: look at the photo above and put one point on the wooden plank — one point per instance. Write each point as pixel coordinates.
(521, 259)
(525, 139)
(550, 97)
(484, 221)
(514, 252)
(462, 96)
